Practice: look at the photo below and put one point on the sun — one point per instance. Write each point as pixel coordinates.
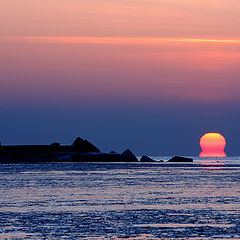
(212, 145)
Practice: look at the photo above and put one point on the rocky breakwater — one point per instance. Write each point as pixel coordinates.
(79, 151)
(45, 153)
(126, 156)
(178, 159)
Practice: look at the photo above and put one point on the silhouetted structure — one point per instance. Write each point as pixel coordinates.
(45, 153)
(80, 151)
(146, 159)
(129, 156)
(83, 146)
(180, 159)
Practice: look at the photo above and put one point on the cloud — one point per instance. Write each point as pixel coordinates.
(113, 40)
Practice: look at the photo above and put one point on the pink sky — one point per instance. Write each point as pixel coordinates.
(161, 18)
(150, 49)
(152, 75)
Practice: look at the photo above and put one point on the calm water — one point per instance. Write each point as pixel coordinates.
(121, 201)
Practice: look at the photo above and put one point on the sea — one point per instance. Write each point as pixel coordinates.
(199, 200)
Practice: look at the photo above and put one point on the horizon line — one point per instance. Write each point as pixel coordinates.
(113, 40)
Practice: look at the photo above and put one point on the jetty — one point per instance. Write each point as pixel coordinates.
(79, 151)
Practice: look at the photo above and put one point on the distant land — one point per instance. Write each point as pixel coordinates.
(79, 151)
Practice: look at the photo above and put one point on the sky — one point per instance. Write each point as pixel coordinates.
(149, 75)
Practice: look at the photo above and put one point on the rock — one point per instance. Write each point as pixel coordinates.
(55, 147)
(128, 156)
(180, 159)
(78, 142)
(146, 159)
(112, 152)
(83, 146)
(55, 144)
(96, 157)
(90, 147)
(64, 157)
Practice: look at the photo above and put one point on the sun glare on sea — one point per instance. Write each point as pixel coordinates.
(212, 145)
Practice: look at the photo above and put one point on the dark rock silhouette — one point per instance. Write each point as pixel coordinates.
(97, 157)
(112, 152)
(55, 144)
(80, 151)
(180, 159)
(83, 146)
(129, 156)
(45, 153)
(146, 159)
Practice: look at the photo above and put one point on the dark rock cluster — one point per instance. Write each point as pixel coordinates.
(180, 159)
(80, 151)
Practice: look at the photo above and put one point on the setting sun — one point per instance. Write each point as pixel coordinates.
(212, 145)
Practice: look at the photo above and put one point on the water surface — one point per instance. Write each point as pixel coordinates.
(199, 200)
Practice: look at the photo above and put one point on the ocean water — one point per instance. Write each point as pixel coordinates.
(199, 200)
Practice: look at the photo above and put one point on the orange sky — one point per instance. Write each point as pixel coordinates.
(161, 18)
(177, 59)
(151, 48)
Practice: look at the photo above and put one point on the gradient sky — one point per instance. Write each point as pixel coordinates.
(151, 75)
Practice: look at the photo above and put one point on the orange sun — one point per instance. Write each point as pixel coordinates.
(212, 145)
